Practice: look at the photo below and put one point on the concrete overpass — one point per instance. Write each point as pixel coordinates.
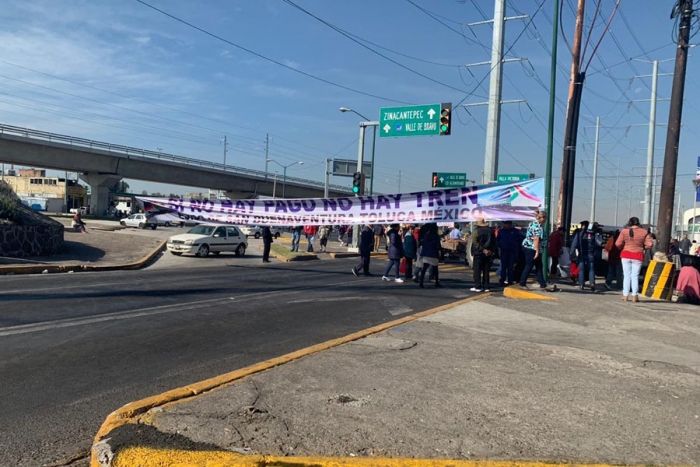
(101, 165)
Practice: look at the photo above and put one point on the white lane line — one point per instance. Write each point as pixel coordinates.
(65, 323)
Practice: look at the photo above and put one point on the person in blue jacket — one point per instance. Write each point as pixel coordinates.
(395, 250)
(430, 251)
(410, 250)
(508, 243)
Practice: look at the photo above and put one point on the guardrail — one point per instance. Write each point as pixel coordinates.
(128, 150)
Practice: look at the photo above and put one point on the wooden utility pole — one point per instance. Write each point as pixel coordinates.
(568, 165)
(668, 179)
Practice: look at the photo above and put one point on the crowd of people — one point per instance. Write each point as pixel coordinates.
(415, 251)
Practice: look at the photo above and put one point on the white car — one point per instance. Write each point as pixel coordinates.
(209, 238)
(140, 221)
(256, 231)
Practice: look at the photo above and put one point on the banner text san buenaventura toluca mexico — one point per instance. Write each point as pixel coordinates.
(511, 201)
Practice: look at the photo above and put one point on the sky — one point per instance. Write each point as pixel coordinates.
(179, 80)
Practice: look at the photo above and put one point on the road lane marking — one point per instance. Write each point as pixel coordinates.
(394, 305)
(70, 322)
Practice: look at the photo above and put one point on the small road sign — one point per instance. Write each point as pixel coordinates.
(449, 180)
(514, 177)
(414, 120)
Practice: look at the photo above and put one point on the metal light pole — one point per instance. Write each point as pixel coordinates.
(284, 176)
(327, 179)
(274, 186)
(374, 141)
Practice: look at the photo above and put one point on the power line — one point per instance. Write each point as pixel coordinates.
(271, 60)
(349, 36)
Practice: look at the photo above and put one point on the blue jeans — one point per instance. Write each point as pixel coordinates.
(614, 272)
(631, 268)
(586, 265)
(295, 240)
(391, 264)
(531, 262)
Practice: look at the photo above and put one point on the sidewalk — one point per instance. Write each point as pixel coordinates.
(584, 378)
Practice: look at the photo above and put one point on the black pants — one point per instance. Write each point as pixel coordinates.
(435, 273)
(364, 262)
(266, 251)
(482, 270)
(553, 270)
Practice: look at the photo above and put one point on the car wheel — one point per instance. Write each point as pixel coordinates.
(176, 253)
(168, 224)
(240, 251)
(257, 235)
(203, 251)
(277, 235)
(142, 225)
(122, 223)
(154, 226)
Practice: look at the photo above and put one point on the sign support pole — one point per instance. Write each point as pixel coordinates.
(360, 161)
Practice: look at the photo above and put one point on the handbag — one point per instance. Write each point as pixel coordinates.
(402, 266)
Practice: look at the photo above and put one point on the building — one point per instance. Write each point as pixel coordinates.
(35, 188)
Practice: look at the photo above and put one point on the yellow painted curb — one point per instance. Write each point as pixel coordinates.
(128, 413)
(145, 457)
(514, 292)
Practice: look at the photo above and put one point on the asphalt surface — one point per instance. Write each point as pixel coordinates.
(585, 379)
(77, 346)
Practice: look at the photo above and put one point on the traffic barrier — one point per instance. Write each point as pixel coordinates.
(658, 281)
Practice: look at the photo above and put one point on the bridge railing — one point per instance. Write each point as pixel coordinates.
(128, 150)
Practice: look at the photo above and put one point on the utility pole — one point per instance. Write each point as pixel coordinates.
(595, 168)
(668, 180)
(327, 179)
(267, 152)
(225, 146)
(493, 121)
(566, 187)
(617, 190)
(399, 181)
(650, 146)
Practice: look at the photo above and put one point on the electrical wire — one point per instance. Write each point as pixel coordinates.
(268, 59)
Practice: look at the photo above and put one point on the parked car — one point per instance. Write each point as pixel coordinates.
(256, 231)
(140, 221)
(209, 238)
(82, 210)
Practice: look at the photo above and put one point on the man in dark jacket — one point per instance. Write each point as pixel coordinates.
(484, 247)
(267, 242)
(584, 246)
(508, 242)
(366, 245)
(395, 252)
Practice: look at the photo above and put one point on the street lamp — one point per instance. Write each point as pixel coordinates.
(284, 176)
(374, 139)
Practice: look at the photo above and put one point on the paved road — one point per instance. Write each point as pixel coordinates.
(77, 346)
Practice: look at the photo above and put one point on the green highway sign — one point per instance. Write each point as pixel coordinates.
(514, 177)
(449, 180)
(413, 120)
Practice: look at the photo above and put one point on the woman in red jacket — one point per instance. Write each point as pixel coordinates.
(633, 241)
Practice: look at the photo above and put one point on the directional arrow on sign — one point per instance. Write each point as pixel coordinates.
(386, 128)
(442, 179)
(431, 112)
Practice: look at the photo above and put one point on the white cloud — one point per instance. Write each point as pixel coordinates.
(291, 64)
(274, 91)
(143, 40)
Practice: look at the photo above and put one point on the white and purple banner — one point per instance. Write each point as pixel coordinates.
(507, 201)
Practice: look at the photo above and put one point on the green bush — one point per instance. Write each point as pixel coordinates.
(9, 205)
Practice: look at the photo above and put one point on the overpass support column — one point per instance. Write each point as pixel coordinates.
(99, 190)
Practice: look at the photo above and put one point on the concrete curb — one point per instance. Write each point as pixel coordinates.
(56, 268)
(136, 457)
(514, 292)
(134, 412)
(283, 258)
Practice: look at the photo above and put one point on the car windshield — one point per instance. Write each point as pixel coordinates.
(202, 230)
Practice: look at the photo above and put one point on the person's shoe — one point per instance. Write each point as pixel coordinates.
(398, 279)
(582, 287)
(438, 285)
(266, 261)
(421, 285)
(635, 299)
(354, 272)
(384, 278)
(607, 286)
(475, 289)
(523, 287)
(593, 288)
(624, 298)
(487, 290)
